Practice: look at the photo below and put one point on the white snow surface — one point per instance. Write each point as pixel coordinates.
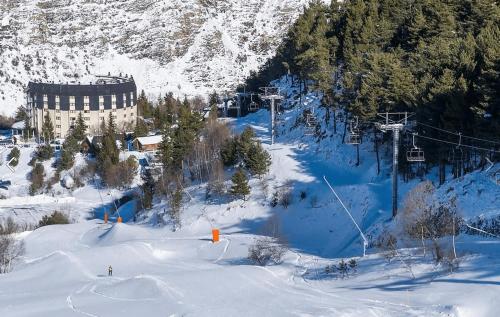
(158, 272)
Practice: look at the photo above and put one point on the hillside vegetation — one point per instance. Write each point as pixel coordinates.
(438, 59)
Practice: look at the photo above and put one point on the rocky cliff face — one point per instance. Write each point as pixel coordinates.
(184, 46)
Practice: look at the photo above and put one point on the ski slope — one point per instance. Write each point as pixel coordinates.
(158, 272)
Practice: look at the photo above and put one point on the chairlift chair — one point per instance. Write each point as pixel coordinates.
(311, 122)
(415, 154)
(253, 105)
(354, 136)
(457, 154)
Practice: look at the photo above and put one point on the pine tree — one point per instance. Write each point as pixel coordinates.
(175, 207)
(27, 132)
(258, 160)
(213, 99)
(166, 148)
(148, 190)
(141, 129)
(80, 128)
(47, 129)
(189, 126)
(240, 185)
(143, 105)
(108, 153)
(244, 143)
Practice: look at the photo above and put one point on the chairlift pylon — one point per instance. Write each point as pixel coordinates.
(415, 154)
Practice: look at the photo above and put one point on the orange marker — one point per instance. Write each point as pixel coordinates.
(215, 235)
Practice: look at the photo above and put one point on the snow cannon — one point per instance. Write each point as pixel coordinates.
(215, 235)
(119, 220)
(105, 217)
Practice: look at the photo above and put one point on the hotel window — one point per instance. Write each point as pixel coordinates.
(58, 135)
(86, 111)
(58, 118)
(114, 117)
(114, 110)
(71, 104)
(101, 111)
(58, 111)
(86, 104)
(72, 111)
(58, 126)
(125, 115)
(87, 118)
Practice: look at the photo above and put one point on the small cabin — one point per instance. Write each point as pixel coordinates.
(148, 143)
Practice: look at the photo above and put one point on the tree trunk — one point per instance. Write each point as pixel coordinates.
(334, 121)
(442, 171)
(375, 140)
(357, 154)
(345, 131)
(327, 114)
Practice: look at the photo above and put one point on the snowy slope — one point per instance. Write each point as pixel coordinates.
(158, 272)
(186, 47)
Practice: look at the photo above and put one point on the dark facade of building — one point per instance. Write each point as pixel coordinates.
(63, 103)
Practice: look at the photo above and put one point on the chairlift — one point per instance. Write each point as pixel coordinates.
(253, 105)
(311, 122)
(415, 154)
(354, 136)
(457, 154)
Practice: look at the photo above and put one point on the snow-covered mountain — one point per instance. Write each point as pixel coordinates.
(184, 46)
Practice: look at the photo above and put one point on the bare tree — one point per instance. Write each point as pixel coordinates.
(10, 248)
(271, 247)
(423, 219)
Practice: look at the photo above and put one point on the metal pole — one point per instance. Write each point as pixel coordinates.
(272, 121)
(395, 172)
(365, 240)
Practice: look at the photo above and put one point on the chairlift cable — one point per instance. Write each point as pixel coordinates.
(455, 133)
(457, 144)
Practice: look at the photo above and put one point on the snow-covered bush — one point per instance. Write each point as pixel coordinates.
(44, 152)
(343, 268)
(56, 218)
(424, 220)
(14, 153)
(10, 248)
(283, 195)
(36, 177)
(266, 250)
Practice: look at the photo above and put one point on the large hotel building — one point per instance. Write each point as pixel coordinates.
(95, 101)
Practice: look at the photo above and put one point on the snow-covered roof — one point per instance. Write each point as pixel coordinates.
(18, 125)
(148, 140)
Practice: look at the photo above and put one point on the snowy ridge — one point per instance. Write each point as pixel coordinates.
(186, 47)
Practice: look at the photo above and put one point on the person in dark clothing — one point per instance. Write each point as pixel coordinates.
(110, 271)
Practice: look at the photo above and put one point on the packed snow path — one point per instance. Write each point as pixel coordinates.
(163, 274)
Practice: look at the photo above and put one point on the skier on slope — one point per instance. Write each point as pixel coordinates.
(110, 271)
